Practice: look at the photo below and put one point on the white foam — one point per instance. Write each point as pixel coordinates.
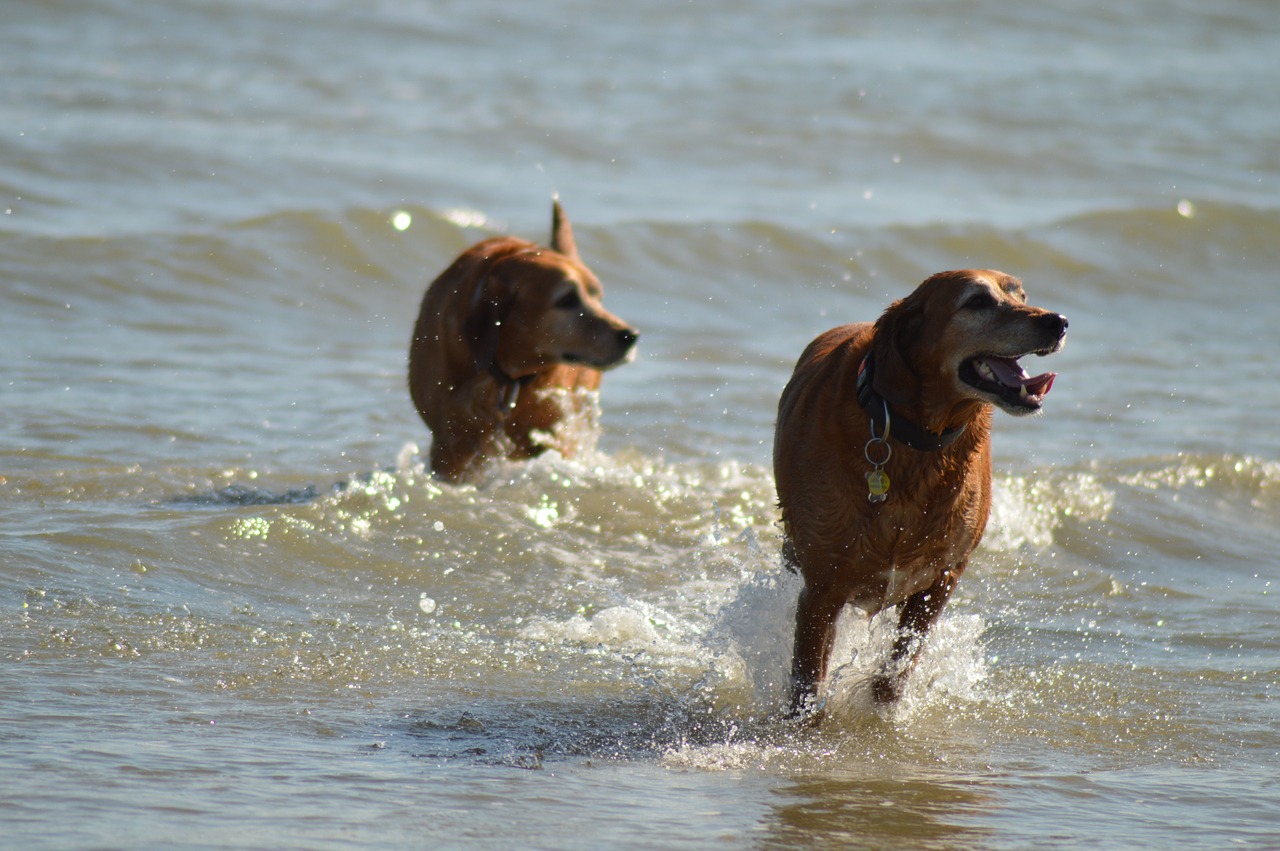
(619, 627)
(677, 572)
(408, 459)
(1026, 511)
(755, 630)
(951, 664)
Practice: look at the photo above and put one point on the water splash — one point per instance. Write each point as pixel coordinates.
(1026, 511)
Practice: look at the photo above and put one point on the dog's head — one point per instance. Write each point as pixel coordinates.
(538, 307)
(966, 330)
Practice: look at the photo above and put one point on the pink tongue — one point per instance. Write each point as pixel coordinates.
(1011, 374)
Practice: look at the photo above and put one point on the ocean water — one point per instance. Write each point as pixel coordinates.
(235, 610)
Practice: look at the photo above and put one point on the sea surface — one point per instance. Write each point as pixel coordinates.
(236, 611)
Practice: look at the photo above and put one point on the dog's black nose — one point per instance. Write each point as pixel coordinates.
(627, 337)
(1054, 322)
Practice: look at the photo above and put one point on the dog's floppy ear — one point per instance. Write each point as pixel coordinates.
(562, 231)
(894, 378)
(489, 302)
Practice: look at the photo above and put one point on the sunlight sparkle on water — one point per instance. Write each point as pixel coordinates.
(545, 514)
(400, 220)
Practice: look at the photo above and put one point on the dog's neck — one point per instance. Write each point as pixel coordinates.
(508, 388)
(902, 429)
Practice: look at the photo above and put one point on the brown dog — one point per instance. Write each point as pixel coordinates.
(510, 341)
(882, 457)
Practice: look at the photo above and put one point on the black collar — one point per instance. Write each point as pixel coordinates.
(906, 431)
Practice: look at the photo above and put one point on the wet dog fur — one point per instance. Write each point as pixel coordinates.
(941, 359)
(509, 341)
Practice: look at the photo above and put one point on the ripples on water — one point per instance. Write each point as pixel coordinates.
(237, 611)
(623, 577)
(203, 512)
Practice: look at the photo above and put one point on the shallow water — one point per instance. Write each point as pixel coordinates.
(237, 612)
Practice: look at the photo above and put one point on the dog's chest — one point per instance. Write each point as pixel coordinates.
(910, 532)
(906, 543)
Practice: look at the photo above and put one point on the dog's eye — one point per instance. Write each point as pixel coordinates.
(979, 301)
(569, 301)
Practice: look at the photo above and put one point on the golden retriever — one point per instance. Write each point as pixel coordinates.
(509, 343)
(882, 458)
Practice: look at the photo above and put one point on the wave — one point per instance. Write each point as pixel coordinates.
(616, 607)
(413, 242)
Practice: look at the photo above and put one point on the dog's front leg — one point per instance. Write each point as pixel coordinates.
(816, 614)
(914, 621)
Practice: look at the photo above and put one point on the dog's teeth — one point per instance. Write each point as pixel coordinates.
(984, 371)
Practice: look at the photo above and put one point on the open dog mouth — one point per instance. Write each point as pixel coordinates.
(1004, 378)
